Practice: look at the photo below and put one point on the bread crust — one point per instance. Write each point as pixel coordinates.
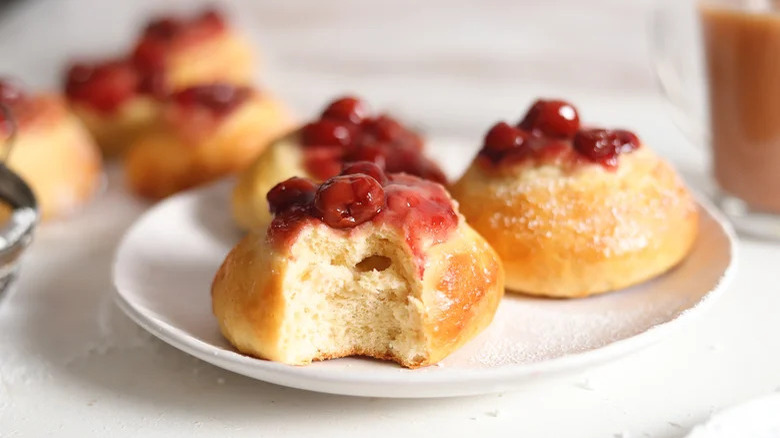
(581, 233)
(169, 159)
(280, 161)
(115, 131)
(225, 57)
(54, 153)
(462, 284)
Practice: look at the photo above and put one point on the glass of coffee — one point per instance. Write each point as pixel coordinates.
(718, 62)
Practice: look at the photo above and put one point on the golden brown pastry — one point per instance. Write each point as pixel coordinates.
(120, 99)
(365, 264)
(51, 150)
(205, 133)
(345, 132)
(179, 52)
(113, 102)
(574, 211)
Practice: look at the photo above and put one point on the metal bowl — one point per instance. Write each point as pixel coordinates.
(17, 230)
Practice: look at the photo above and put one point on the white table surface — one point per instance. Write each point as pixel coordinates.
(71, 364)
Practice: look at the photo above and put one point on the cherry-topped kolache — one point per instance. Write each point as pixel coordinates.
(346, 131)
(551, 132)
(362, 193)
(106, 85)
(164, 33)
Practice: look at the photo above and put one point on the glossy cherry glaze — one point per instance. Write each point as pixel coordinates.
(347, 132)
(294, 192)
(218, 99)
(551, 118)
(550, 133)
(104, 86)
(603, 145)
(420, 209)
(346, 201)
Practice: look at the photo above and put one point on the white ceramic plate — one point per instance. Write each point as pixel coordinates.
(165, 264)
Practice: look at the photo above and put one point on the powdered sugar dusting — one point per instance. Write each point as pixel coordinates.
(527, 330)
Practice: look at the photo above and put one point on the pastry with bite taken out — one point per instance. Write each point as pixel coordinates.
(574, 210)
(118, 99)
(346, 131)
(367, 263)
(205, 132)
(50, 149)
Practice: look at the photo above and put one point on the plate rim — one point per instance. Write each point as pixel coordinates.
(338, 382)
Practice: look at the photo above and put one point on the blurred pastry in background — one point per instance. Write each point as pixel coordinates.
(575, 211)
(119, 99)
(114, 101)
(346, 131)
(49, 148)
(205, 132)
(177, 52)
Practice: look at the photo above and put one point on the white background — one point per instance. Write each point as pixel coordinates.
(72, 365)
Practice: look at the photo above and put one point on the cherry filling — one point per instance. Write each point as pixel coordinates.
(327, 133)
(366, 168)
(603, 145)
(346, 132)
(103, 86)
(345, 201)
(163, 33)
(552, 118)
(503, 139)
(294, 192)
(106, 86)
(346, 109)
(362, 193)
(549, 132)
(218, 99)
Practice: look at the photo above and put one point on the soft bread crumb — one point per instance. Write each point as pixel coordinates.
(356, 296)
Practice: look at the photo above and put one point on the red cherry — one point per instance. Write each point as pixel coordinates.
(212, 19)
(164, 28)
(10, 91)
(349, 200)
(346, 109)
(376, 153)
(366, 168)
(597, 145)
(382, 128)
(105, 86)
(153, 82)
(604, 145)
(150, 54)
(427, 169)
(502, 139)
(292, 192)
(627, 139)
(323, 162)
(553, 118)
(220, 99)
(326, 133)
